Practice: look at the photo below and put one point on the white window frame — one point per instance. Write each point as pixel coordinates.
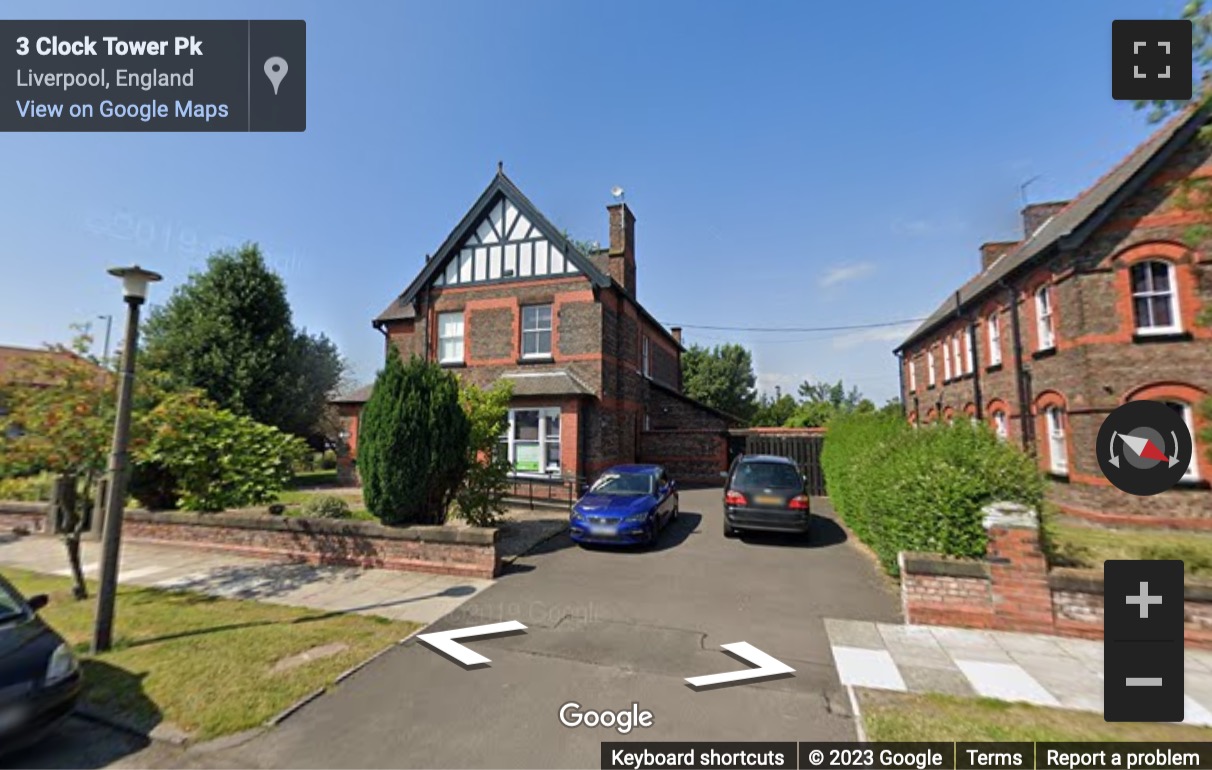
(1192, 472)
(454, 341)
(930, 368)
(956, 346)
(946, 361)
(645, 356)
(544, 441)
(1045, 330)
(1058, 448)
(969, 349)
(912, 376)
(538, 330)
(1172, 278)
(1001, 424)
(994, 327)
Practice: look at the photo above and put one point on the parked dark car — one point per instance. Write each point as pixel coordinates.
(628, 504)
(765, 493)
(40, 677)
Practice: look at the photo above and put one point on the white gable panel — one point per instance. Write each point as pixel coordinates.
(540, 260)
(494, 263)
(465, 265)
(452, 270)
(484, 233)
(481, 272)
(440, 280)
(557, 261)
(511, 259)
(511, 216)
(498, 218)
(526, 265)
(523, 229)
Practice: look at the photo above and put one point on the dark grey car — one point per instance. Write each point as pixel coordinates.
(765, 493)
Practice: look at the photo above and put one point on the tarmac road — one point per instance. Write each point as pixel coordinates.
(606, 629)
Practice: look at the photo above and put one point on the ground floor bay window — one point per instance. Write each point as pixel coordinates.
(532, 442)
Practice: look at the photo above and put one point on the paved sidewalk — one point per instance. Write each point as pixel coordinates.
(1029, 668)
(415, 596)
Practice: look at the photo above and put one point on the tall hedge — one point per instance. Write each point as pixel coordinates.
(412, 442)
(905, 489)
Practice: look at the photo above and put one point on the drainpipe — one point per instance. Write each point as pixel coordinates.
(974, 332)
(900, 372)
(1024, 416)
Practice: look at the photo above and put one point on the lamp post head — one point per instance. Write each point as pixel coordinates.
(135, 281)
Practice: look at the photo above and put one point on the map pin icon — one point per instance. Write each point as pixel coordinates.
(275, 70)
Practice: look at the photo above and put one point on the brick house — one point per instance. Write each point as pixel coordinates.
(597, 379)
(1097, 305)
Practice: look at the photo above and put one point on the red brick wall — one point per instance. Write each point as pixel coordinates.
(21, 517)
(1098, 363)
(1011, 590)
(468, 552)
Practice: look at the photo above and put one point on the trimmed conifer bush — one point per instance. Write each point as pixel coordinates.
(904, 489)
(412, 442)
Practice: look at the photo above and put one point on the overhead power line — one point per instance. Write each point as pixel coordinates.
(850, 327)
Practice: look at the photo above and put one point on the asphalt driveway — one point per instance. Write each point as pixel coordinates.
(606, 629)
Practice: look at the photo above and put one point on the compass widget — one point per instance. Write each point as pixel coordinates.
(1144, 447)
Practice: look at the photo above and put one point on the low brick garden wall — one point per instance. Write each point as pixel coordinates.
(23, 517)
(1012, 589)
(463, 551)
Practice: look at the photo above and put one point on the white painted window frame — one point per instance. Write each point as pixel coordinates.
(994, 328)
(550, 329)
(1172, 278)
(544, 413)
(1058, 448)
(1045, 330)
(453, 339)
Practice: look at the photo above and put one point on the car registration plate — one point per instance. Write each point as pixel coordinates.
(601, 529)
(768, 500)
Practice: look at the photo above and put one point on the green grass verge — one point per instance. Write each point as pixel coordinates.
(1074, 545)
(203, 663)
(898, 716)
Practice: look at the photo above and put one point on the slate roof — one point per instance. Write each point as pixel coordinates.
(1073, 224)
(357, 396)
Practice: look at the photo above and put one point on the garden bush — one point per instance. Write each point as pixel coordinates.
(219, 459)
(904, 489)
(413, 442)
(27, 489)
(325, 507)
(479, 500)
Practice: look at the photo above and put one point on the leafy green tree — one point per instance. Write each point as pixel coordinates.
(412, 442)
(721, 377)
(822, 401)
(228, 331)
(480, 498)
(774, 412)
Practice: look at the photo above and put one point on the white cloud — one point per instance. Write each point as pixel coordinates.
(843, 273)
(884, 334)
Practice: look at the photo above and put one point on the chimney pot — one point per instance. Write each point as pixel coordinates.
(622, 246)
(1036, 214)
(676, 331)
(991, 251)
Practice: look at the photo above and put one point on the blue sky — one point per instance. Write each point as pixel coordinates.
(790, 164)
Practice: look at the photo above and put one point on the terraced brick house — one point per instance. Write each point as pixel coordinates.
(1098, 304)
(596, 378)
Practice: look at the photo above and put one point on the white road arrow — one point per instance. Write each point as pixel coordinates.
(767, 667)
(444, 641)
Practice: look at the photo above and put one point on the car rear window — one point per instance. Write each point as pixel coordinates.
(773, 475)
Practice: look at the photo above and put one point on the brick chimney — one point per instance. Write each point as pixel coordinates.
(1035, 214)
(622, 246)
(676, 331)
(992, 250)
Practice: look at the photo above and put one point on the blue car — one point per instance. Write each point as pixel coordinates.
(627, 505)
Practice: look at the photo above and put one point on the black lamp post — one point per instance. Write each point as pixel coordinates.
(135, 281)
